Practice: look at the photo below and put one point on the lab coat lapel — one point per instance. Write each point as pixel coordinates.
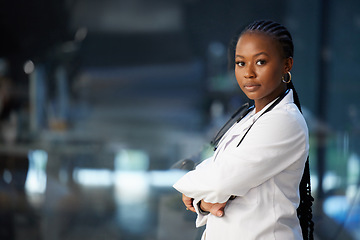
(239, 129)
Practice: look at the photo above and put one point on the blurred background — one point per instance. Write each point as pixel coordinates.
(100, 100)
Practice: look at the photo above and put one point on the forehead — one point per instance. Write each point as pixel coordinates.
(255, 42)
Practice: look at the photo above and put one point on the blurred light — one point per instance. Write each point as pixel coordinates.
(81, 34)
(132, 189)
(93, 177)
(131, 186)
(35, 184)
(7, 176)
(336, 207)
(166, 178)
(36, 178)
(131, 160)
(331, 181)
(29, 67)
(353, 168)
(131, 179)
(314, 181)
(217, 49)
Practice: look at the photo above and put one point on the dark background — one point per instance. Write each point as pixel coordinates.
(133, 86)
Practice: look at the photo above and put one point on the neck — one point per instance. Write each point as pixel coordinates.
(261, 103)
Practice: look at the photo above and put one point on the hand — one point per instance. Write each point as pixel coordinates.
(188, 201)
(216, 209)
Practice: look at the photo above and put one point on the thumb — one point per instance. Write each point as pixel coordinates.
(219, 209)
(220, 212)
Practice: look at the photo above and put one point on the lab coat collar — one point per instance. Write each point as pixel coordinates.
(252, 116)
(289, 98)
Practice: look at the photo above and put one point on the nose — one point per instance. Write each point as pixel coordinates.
(249, 71)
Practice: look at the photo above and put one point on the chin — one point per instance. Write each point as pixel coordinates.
(251, 96)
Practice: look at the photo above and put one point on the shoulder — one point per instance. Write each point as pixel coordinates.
(286, 116)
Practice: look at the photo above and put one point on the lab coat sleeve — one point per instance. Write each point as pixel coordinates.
(276, 141)
(201, 219)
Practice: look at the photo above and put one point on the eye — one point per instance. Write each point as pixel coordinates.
(260, 62)
(240, 64)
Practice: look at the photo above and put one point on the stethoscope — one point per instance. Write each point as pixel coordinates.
(240, 114)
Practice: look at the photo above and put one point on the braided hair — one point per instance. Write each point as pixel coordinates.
(283, 36)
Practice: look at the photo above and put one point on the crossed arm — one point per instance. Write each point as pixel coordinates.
(229, 175)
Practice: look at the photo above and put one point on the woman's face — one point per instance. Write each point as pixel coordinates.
(259, 67)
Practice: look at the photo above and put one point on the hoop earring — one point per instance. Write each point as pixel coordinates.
(283, 78)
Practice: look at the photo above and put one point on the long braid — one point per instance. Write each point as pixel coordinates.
(304, 211)
(283, 36)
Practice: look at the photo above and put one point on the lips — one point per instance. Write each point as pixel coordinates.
(251, 87)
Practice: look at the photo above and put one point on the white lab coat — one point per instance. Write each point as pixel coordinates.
(264, 172)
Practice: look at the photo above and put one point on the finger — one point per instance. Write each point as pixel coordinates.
(188, 203)
(220, 213)
(221, 209)
(218, 209)
(187, 200)
(190, 207)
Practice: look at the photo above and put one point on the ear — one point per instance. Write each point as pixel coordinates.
(288, 64)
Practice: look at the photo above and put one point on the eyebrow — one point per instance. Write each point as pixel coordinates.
(256, 55)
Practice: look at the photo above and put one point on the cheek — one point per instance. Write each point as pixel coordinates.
(238, 74)
(272, 76)
(238, 77)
